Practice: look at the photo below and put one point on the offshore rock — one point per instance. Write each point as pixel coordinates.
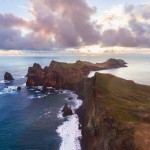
(19, 88)
(8, 77)
(114, 110)
(67, 111)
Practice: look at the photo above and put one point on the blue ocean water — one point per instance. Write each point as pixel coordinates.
(28, 119)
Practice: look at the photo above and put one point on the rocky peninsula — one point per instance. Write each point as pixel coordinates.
(115, 114)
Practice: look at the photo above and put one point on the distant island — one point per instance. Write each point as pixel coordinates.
(115, 114)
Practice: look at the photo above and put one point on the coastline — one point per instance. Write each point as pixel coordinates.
(69, 131)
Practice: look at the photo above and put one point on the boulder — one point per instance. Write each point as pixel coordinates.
(70, 98)
(8, 77)
(52, 90)
(44, 89)
(19, 88)
(67, 111)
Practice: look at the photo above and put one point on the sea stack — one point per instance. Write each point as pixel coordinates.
(67, 111)
(8, 77)
(19, 88)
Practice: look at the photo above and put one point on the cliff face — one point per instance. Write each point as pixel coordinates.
(64, 75)
(114, 110)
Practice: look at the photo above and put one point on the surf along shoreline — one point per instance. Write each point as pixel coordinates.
(73, 77)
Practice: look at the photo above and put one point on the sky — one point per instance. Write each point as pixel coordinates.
(74, 27)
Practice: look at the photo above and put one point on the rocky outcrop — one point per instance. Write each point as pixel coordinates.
(110, 113)
(8, 77)
(63, 75)
(19, 88)
(112, 107)
(67, 111)
(113, 63)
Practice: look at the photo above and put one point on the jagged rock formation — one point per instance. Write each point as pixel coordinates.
(8, 77)
(67, 111)
(64, 75)
(114, 110)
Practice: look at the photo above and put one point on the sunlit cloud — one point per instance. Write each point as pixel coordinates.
(11, 53)
(74, 25)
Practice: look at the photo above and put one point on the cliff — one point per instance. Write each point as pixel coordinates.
(64, 75)
(115, 112)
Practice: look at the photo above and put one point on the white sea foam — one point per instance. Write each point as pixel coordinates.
(4, 81)
(60, 113)
(22, 77)
(9, 90)
(31, 89)
(39, 87)
(23, 85)
(69, 131)
(70, 134)
(37, 96)
(37, 91)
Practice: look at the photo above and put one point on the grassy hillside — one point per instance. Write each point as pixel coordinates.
(127, 100)
(117, 117)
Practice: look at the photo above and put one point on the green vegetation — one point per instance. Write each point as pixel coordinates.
(126, 100)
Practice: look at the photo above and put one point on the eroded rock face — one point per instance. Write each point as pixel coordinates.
(67, 111)
(110, 109)
(110, 104)
(116, 63)
(64, 75)
(8, 77)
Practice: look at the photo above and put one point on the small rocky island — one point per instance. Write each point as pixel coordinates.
(115, 114)
(8, 77)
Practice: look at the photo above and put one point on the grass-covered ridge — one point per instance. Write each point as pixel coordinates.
(127, 100)
(128, 104)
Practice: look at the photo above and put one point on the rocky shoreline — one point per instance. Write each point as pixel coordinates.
(111, 106)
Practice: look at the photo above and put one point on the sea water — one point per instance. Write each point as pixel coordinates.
(30, 120)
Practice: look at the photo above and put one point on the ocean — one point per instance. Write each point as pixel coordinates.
(30, 120)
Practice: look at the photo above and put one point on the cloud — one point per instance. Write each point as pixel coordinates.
(67, 21)
(56, 23)
(13, 39)
(11, 53)
(9, 20)
(68, 24)
(135, 32)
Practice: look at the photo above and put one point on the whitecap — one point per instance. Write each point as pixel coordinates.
(31, 89)
(31, 97)
(9, 90)
(37, 91)
(4, 81)
(70, 134)
(23, 85)
(22, 77)
(39, 87)
(37, 96)
(59, 115)
(69, 130)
